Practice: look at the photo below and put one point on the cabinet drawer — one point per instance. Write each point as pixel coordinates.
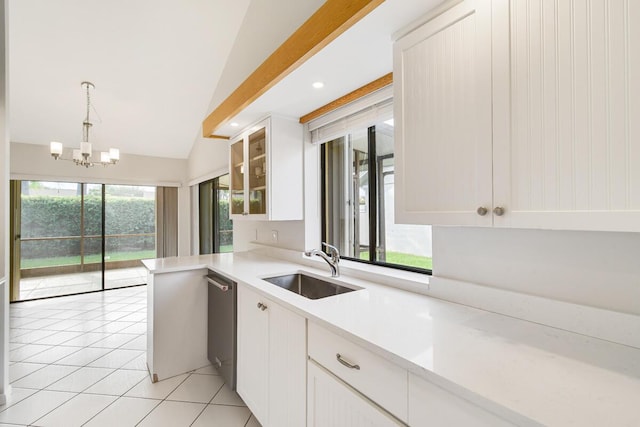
(380, 380)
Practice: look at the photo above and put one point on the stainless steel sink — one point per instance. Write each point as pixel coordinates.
(308, 286)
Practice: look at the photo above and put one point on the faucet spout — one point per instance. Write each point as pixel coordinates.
(332, 259)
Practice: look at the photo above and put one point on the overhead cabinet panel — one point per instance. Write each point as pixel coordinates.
(443, 116)
(265, 163)
(575, 103)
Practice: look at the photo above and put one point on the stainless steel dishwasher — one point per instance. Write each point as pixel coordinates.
(221, 346)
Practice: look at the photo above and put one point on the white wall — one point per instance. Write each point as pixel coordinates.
(33, 161)
(208, 158)
(4, 208)
(290, 234)
(599, 269)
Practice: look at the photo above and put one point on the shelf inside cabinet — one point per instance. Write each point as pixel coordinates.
(258, 157)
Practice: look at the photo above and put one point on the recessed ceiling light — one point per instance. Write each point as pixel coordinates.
(234, 124)
(318, 85)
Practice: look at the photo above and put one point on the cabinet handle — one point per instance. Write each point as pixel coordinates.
(223, 288)
(261, 306)
(498, 211)
(482, 211)
(245, 213)
(347, 364)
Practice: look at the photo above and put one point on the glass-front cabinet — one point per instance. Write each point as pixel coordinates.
(257, 173)
(237, 177)
(266, 171)
(249, 172)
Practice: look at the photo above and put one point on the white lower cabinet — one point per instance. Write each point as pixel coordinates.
(271, 360)
(332, 403)
(358, 372)
(430, 405)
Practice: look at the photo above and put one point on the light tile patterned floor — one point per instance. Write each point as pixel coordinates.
(81, 360)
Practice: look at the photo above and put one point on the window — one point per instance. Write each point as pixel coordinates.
(216, 229)
(358, 202)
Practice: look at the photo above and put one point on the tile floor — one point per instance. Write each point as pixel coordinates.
(81, 361)
(65, 284)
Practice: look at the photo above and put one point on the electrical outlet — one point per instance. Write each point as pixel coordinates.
(274, 235)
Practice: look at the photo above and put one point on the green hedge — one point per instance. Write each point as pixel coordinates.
(56, 216)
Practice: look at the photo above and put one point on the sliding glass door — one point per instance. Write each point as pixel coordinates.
(216, 229)
(130, 233)
(73, 238)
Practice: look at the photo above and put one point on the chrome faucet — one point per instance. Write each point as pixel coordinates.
(332, 260)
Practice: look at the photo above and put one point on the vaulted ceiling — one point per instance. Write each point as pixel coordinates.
(160, 66)
(155, 65)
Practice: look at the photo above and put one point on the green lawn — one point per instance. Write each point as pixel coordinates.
(89, 259)
(409, 260)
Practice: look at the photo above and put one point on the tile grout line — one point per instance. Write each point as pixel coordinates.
(140, 307)
(76, 366)
(160, 403)
(123, 395)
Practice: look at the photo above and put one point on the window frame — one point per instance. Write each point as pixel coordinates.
(213, 187)
(373, 210)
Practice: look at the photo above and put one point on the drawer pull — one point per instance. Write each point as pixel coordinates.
(345, 363)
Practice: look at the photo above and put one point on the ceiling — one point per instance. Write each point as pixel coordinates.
(358, 56)
(155, 65)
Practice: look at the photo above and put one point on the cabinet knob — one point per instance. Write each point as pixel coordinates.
(261, 306)
(498, 211)
(482, 211)
(245, 213)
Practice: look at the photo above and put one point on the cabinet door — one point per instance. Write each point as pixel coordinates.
(237, 169)
(253, 352)
(567, 141)
(331, 403)
(257, 173)
(443, 140)
(287, 367)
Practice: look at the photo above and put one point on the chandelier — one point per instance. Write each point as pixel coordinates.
(82, 156)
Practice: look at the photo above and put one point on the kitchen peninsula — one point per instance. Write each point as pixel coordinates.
(499, 369)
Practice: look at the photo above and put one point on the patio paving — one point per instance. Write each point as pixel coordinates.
(64, 284)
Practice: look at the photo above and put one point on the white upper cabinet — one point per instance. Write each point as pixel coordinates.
(265, 165)
(559, 83)
(442, 95)
(567, 153)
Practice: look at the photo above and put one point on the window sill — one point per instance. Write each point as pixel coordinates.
(388, 276)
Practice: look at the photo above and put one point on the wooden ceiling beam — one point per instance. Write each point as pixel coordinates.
(333, 18)
(375, 85)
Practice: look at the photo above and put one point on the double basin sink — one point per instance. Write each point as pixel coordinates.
(308, 286)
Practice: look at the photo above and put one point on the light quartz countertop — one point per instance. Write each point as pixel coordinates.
(526, 372)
